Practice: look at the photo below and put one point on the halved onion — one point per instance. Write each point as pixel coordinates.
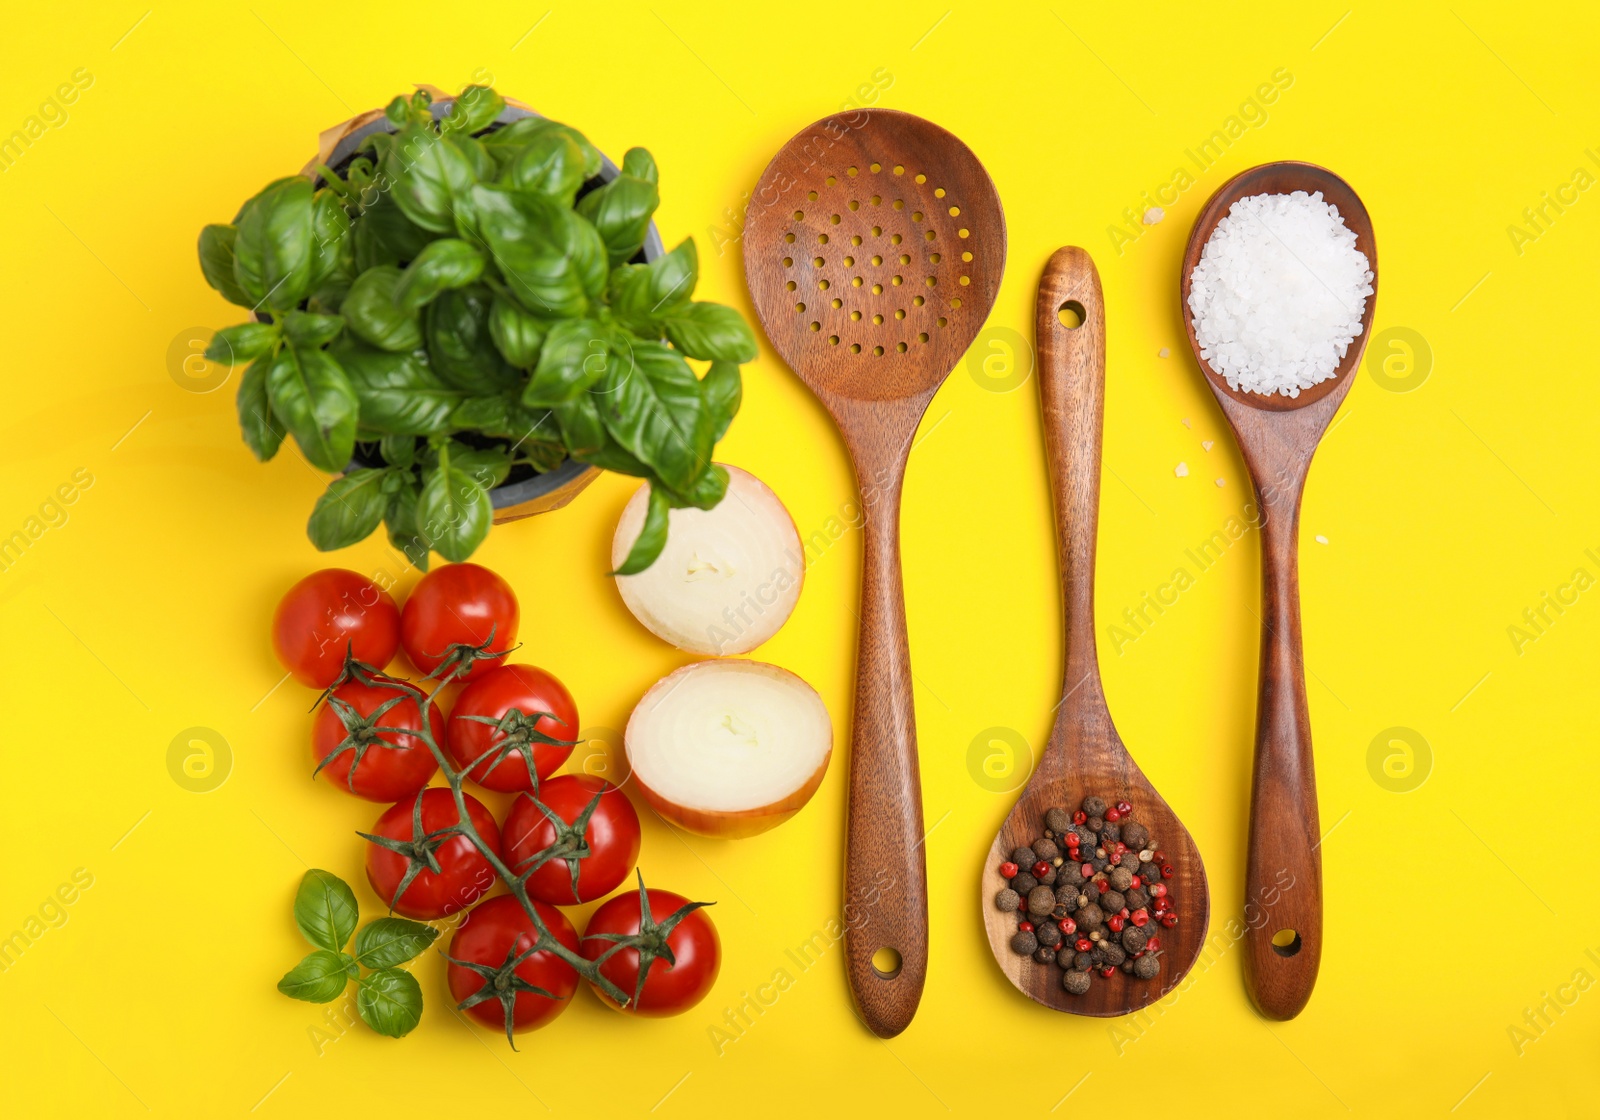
(729, 748)
(728, 577)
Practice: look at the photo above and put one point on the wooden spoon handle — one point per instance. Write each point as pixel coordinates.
(885, 880)
(1072, 382)
(1283, 878)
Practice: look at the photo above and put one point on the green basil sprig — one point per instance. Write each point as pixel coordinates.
(388, 998)
(465, 298)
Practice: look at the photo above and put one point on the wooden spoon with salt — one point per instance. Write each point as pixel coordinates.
(1278, 435)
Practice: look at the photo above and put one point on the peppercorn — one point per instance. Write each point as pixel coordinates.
(1022, 882)
(1067, 896)
(1133, 939)
(1090, 917)
(1111, 902)
(1094, 825)
(1007, 899)
(1023, 857)
(1127, 967)
(1058, 911)
(1109, 835)
(1082, 961)
(1147, 967)
(1136, 899)
(1041, 900)
(1008, 870)
(1043, 955)
(1049, 876)
(1069, 874)
(1094, 806)
(1135, 835)
(1121, 878)
(1075, 982)
(1149, 872)
(1111, 953)
(1046, 849)
(1049, 934)
(1057, 820)
(1099, 865)
(1024, 943)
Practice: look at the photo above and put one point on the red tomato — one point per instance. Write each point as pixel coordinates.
(459, 604)
(669, 989)
(326, 612)
(536, 697)
(611, 835)
(393, 766)
(464, 874)
(493, 936)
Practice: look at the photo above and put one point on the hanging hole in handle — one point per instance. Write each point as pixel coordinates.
(1071, 314)
(1286, 943)
(886, 963)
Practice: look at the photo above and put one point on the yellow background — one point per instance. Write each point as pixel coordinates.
(1447, 510)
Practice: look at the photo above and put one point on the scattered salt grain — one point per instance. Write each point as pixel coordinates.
(1221, 482)
(1279, 292)
(1321, 539)
(1206, 443)
(1182, 470)
(1154, 215)
(1163, 353)
(1186, 423)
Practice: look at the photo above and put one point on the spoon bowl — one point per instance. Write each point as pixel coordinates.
(1085, 755)
(1278, 436)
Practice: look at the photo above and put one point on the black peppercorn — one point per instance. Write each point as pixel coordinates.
(1022, 882)
(1075, 982)
(1057, 820)
(1023, 943)
(1147, 967)
(1120, 877)
(1111, 953)
(1136, 836)
(1048, 878)
(1067, 899)
(1133, 939)
(1090, 917)
(1111, 902)
(1007, 899)
(1069, 874)
(1127, 966)
(1083, 962)
(1041, 900)
(1136, 899)
(1099, 865)
(1109, 835)
(1095, 824)
(1093, 806)
(1023, 858)
(1046, 850)
(1043, 955)
(1065, 954)
(1049, 934)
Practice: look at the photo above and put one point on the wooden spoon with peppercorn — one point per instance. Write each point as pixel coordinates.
(1080, 953)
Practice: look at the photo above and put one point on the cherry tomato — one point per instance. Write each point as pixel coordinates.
(326, 612)
(459, 604)
(464, 874)
(393, 766)
(669, 989)
(489, 939)
(611, 835)
(536, 697)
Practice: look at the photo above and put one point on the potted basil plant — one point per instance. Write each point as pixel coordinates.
(468, 309)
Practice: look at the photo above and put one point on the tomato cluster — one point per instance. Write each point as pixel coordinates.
(567, 839)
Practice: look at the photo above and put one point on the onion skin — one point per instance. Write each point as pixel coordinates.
(741, 823)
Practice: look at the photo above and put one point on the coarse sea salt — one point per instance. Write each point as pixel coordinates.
(1278, 294)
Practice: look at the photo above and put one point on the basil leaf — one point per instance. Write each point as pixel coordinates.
(242, 343)
(398, 393)
(272, 249)
(320, 978)
(313, 398)
(461, 346)
(628, 292)
(397, 451)
(608, 456)
(348, 510)
(576, 355)
(405, 532)
(262, 434)
(484, 169)
(654, 409)
(550, 164)
(332, 250)
(723, 389)
(431, 176)
(388, 942)
(384, 235)
(371, 312)
(621, 211)
(482, 414)
(390, 1002)
(639, 163)
(581, 427)
(309, 331)
(518, 134)
(446, 263)
(454, 512)
(672, 279)
(652, 536)
(710, 330)
(552, 260)
(474, 111)
(708, 490)
(516, 334)
(325, 910)
(488, 465)
(216, 263)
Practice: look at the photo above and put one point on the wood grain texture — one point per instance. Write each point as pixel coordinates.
(1278, 435)
(873, 249)
(1085, 754)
